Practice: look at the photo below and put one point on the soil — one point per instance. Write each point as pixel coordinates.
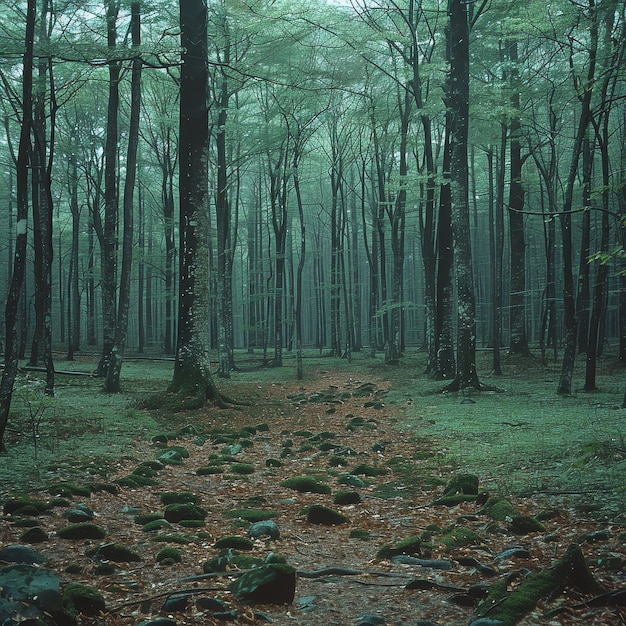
(289, 421)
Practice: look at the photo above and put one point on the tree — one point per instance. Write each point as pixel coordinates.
(11, 349)
(192, 369)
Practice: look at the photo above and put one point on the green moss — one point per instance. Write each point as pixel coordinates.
(410, 545)
(209, 469)
(178, 497)
(459, 536)
(177, 512)
(172, 555)
(369, 470)
(305, 484)
(146, 518)
(242, 468)
(82, 531)
(359, 533)
(235, 542)
(345, 497)
(79, 598)
(156, 524)
(171, 538)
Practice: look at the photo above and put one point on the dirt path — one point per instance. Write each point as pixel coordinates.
(324, 428)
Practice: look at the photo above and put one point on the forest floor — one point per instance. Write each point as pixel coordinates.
(560, 459)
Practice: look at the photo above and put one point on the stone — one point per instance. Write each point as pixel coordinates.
(177, 512)
(265, 528)
(274, 583)
(325, 516)
(82, 531)
(235, 542)
(305, 484)
(159, 621)
(20, 554)
(78, 598)
(113, 552)
(176, 603)
(34, 535)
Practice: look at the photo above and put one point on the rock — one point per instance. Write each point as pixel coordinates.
(405, 559)
(305, 484)
(177, 512)
(210, 604)
(524, 525)
(274, 583)
(20, 554)
(179, 497)
(78, 598)
(79, 513)
(34, 535)
(513, 553)
(113, 552)
(485, 621)
(169, 556)
(157, 524)
(82, 531)
(34, 594)
(235, 542)
(411, 545)
(318, 514)
(266, 528)
(352, 481)
(346, 497)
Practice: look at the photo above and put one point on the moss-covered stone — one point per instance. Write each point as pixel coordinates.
(115, 552)
(274, 583)
(34, 535)
(498, 508)
(176, 512)
(169, 554)
(209, 469)
(524, 525)
(360, 533)
(323, 515)
(242, 468)
(79, 598)
(68, 490)
(145, 518)
(369, 470)
(345, 497)
(459, 536)
(305, 484)
(410, 545)
(171, 538)
(235, 542)
(462, 483)
(82, 531)
(178, 497)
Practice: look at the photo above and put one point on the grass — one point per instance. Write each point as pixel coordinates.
(525, 439)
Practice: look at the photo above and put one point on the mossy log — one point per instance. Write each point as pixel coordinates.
(510, 608)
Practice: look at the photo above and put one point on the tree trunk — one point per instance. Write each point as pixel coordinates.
(108, 234)
(11, 348)
(457, 103)
(121, 327)
(192, 379)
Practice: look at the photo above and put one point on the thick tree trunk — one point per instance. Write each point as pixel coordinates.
(192, 379)
(457, 103)
(11, 348)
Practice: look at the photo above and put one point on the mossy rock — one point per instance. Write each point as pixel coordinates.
(325, 516)
(264, 528)
(273, 463)
(144, 470)
(345, 497)
(410, 545)
(25, 507)
(79, 598)
(498, 508)
(82, 531)
(191, 523)
(178, 497)
(459, 536)
(146, 518)
(305, 484)
(217, 564)
(369, 470)
(251, 515)
(25, 522)
(235, 542)
(170, 457)
(169, 554)
(115, 552)
(361, 534)
(106, 487)
(242, 468)
(245, 561)
(454, 500)
(273, 583)
(68, 490)
(177, 512)
(352, 481)
(462, 483)
(154, 464)
(135, 480)
(524, 525)
(73, 568)
(156, 524)
(36, 534)
(209, 469)
(336, 460)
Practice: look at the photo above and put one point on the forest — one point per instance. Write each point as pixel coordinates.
(225, 218)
